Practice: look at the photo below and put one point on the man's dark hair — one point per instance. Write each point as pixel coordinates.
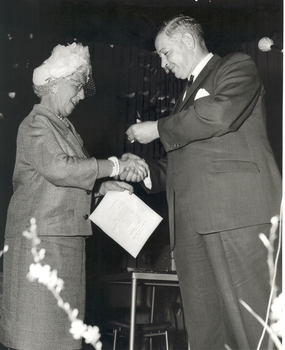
(181, 24)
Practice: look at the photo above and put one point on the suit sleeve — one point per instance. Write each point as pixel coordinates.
(234, 90)
(46, 150)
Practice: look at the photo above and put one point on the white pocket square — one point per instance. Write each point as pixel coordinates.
(201, 93)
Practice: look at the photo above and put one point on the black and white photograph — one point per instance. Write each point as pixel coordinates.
(141, 175)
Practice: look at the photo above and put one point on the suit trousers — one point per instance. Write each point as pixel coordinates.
(215, 271)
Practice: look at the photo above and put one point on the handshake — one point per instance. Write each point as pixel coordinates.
(132, 168)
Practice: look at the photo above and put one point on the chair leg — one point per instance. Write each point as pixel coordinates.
(166, 340)
(115, 331)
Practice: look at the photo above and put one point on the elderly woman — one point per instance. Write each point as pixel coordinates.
(53, 182)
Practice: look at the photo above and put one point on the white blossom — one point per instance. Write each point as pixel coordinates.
(92, 335)
(277, 315)
(5, 249)
(77, 329)
(277, 307)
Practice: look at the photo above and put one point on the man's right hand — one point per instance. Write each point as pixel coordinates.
(133, 168)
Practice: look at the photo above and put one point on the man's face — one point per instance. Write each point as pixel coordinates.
(176, 55)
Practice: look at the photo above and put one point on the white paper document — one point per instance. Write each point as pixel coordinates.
(126, 219)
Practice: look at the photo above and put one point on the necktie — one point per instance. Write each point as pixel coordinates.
(189, 83)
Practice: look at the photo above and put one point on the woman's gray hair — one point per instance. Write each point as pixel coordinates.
(181, 24)
(42, 90)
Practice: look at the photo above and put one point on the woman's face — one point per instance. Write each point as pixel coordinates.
(70, 92)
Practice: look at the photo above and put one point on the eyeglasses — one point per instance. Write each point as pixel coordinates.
(76, 83)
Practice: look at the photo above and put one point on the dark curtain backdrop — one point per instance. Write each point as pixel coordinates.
(129, 80)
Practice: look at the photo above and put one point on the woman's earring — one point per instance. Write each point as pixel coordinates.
(54, 89)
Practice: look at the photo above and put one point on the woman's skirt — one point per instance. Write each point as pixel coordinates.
(30, 316)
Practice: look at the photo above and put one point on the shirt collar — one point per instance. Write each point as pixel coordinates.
(197, 70)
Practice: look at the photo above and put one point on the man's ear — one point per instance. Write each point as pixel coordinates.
(189, 40)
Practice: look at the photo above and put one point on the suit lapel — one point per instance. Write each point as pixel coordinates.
(198, 81)
(194, 86)
(178, 103)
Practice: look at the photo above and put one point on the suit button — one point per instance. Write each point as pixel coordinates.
(86, 216)
(88, 192)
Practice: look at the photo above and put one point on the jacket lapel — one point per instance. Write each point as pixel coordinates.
(69, 133)
(198, 81)
(73, 136)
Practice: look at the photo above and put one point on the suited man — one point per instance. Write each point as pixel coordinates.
(54, 181)
(223, 187)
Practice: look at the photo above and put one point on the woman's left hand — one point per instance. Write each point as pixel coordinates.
(115, 186)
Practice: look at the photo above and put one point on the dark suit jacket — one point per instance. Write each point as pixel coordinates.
(52, 180)
(221, 171)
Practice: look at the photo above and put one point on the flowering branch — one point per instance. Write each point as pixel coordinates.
(5, 249)
(45, 276)
(268, 329)
(275, 303)
(269, 244)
